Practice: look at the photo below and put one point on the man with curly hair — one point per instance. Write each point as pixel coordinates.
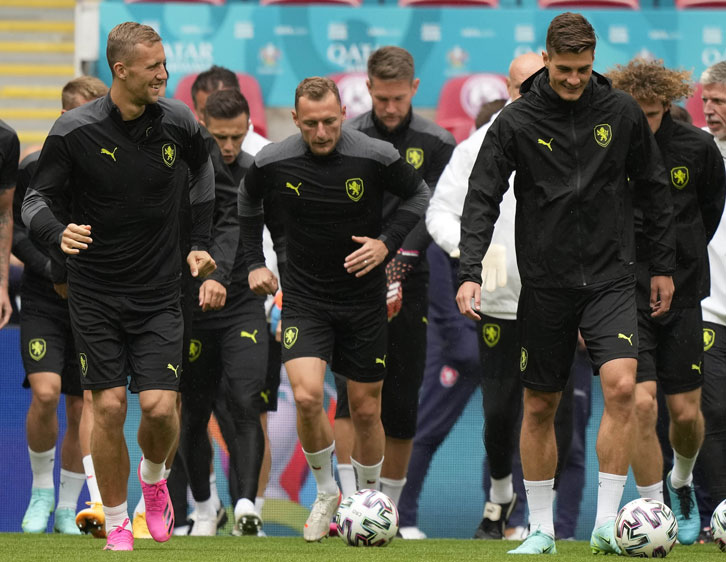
(670, 350)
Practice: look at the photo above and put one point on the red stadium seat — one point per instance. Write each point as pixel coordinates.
(250, 88)
(355, 3)
(353, 92)
(709, 4)
(468, 3)
(694, 106)
(215, 2)
(619, 4)
(461, 98)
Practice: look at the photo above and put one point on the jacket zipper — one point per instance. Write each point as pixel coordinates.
(578, 181)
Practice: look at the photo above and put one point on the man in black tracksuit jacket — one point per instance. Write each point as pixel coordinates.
(670, 350)
(574, 142)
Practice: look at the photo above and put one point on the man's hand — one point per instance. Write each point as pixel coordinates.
(61, 289)
(212, 295)
(76, 237)
(6, 309)
(468, 299)
(370, 255)
(394, 299)
(262, 281)
(661, 294)
(494, 268)
(200, 263)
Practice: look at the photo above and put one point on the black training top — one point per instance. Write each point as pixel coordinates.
(124, 179)
(9, 156)
(324, 201)
(696, 175)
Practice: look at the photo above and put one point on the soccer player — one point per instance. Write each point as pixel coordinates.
(229, 334)
(9, 155)
(119, 160)
(670, 347)
(427, 148)
(328, 183)
(713, 454)
(574, 141)
(49, 357)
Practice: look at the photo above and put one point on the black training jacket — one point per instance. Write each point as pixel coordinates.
(574, 220)
(698, 187)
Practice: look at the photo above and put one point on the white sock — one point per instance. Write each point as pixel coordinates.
(167, 472)
(71, 484)
(540, 497)
(321, 463)
(116, 516)
(42, 466)
(393, 488)
(213, 494)
(501, 490)
(91, 481)
(367, 477)
(609, 493)
(243, 507)
(654, 491)
(259, 504)
(682, 473)
(151, 472)
(206, 509)
(346, 474)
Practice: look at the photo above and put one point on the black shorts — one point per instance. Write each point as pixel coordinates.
(46, 345)
(351, 338)
(272, 378)
(548, 321)
(121, 336)
(497, 346)
(237, 352)
(670, 349)
(405, 362)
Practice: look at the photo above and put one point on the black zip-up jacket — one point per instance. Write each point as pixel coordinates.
(574, 221)
(698, 188)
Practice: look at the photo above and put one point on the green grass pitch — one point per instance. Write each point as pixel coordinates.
(55, 548)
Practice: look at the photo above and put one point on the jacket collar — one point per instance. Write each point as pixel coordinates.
(384, 132)
(539, 84)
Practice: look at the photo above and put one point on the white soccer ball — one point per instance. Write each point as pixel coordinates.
(718, 525)
(367, 518)
(646, 528)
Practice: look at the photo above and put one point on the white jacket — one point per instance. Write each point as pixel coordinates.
(714, 306)
(443, 221)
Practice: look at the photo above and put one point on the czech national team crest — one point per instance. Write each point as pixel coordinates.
(37, 348)
(679, 177)
(290, 337)
(84, 363)
(523, 359)
(195, 350)
(490, 334)
(354, 188)
(168, 154)
(709, 337)
(603, 134)
(415, 157)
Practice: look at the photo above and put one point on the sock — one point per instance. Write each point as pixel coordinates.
(367, 477)
(654, 491)
(243, 507)
(151, 472)
(206, 509)
(259, 504)
(167, 472)
(501, 490)
(540, 497)
(609, 493)
(393, 488)
(214, 495)
(116, 516)
(321, 463)
(42, 466)
(682, 473)
(346, 474)
(91, 481)
(71, 484)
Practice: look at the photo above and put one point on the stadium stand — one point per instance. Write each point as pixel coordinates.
(353, 92)
(590, 4)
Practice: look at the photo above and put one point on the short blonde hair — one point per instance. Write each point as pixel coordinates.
(316, 88)
(80, 90)
(123, 38)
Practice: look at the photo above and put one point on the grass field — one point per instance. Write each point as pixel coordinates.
(85, 549)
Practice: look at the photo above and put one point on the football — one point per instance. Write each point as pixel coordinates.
(367, 518)
(718, 526)
(645, 528)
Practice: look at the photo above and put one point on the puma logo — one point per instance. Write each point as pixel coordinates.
(252, 336)
(265, 394)
(381, 361)
(548, 144)
(624, 337)
(111, 154)
(175, 369)
(695, 367)
(295, 188)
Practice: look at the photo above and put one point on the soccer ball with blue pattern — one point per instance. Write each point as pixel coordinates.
(718, 526)
(367, 518)
(646, 528)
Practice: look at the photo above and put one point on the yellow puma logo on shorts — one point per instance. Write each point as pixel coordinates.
(381, 361)
(252, 336)
(624, 337)
(175, 369)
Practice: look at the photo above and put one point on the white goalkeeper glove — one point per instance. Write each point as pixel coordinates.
(494, 268)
